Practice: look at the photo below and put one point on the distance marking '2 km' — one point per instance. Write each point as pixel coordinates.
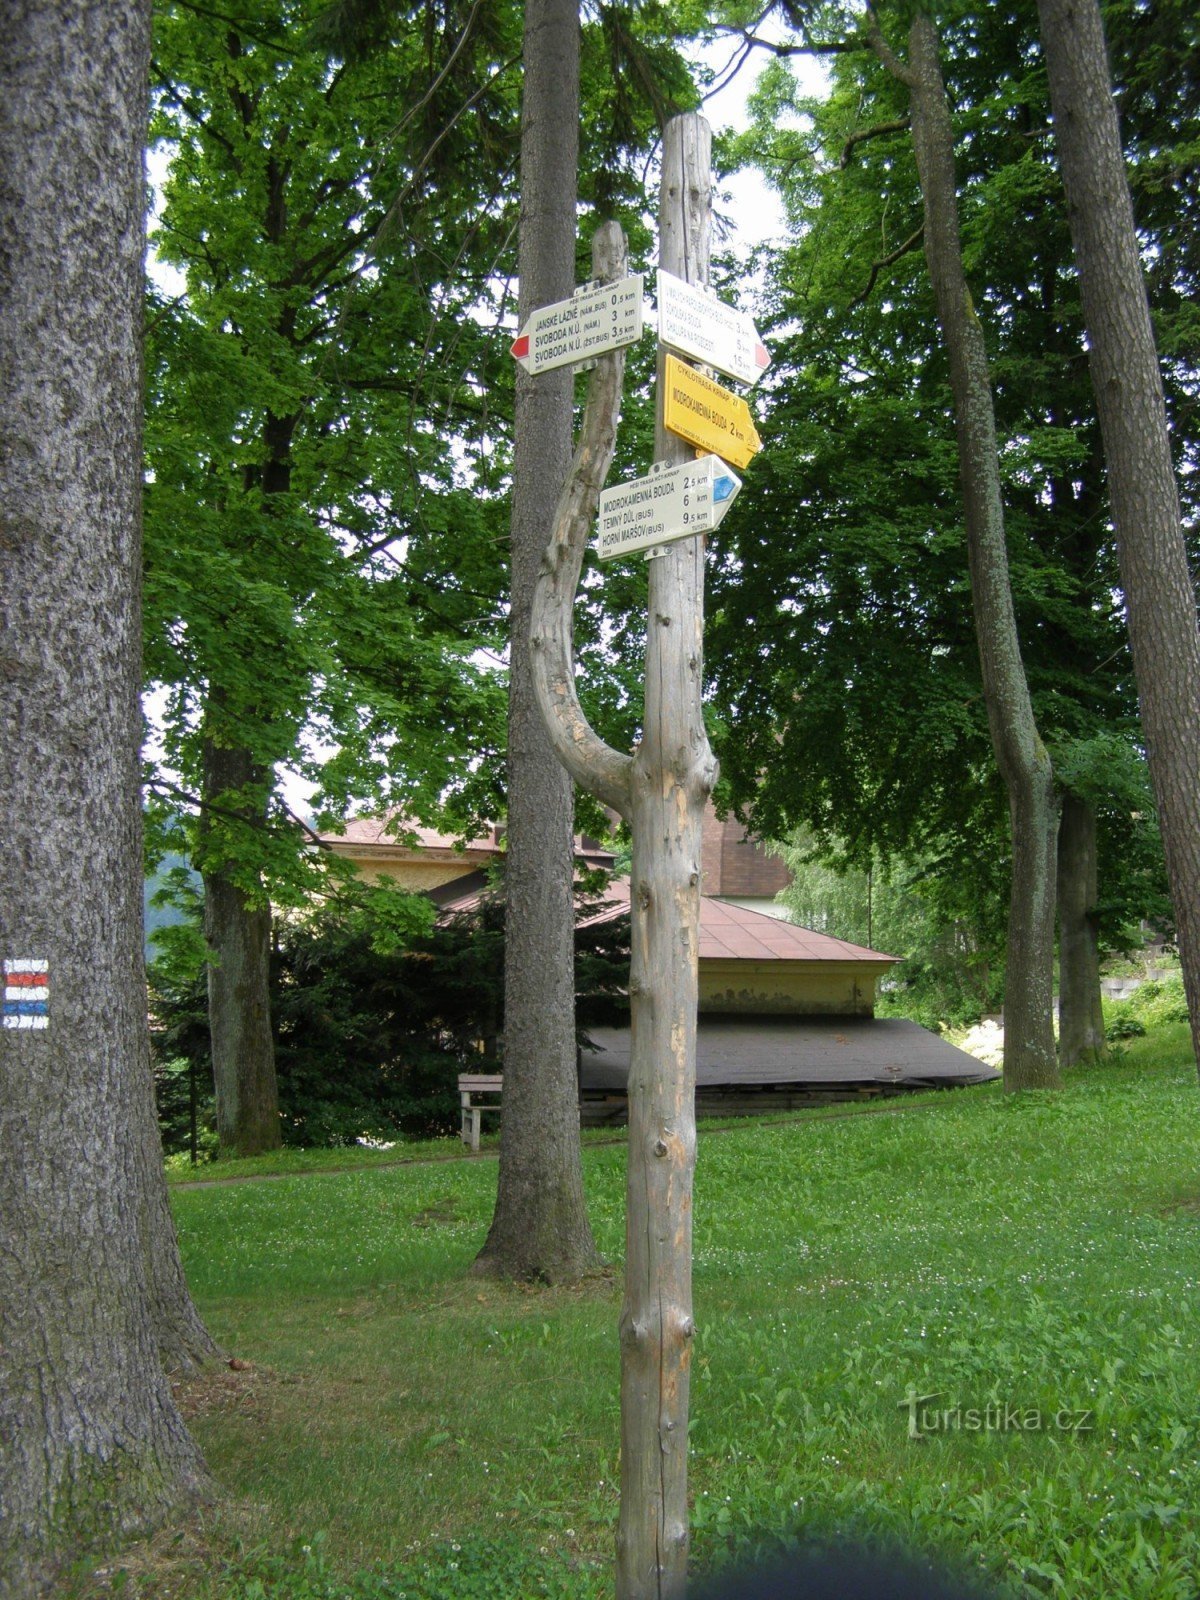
(708, 416)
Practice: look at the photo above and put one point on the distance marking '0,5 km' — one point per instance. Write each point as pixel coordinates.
(596, 319)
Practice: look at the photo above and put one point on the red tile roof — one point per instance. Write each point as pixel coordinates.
(392, 833)
(732, 933)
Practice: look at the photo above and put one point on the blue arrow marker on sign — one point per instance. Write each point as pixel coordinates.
(724, 487)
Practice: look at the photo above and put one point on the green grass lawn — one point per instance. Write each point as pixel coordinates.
(403, 1429)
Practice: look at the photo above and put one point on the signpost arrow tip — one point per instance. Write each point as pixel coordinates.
(725, 487)
(520, 347)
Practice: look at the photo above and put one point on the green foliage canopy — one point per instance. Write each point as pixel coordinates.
(324, 513)
(842, 646)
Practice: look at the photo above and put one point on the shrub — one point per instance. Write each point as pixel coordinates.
(1150, 1006)
(370, 1033)
(1159, 1001)
(1124, 1027)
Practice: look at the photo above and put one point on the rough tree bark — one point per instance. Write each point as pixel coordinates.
(238, 935)
(1160, 600)
(91, 1444)
(1081, 1039)
(661, 791)
(540, 1228)
(1029, 1057)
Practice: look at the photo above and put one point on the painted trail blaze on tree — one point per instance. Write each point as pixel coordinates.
(661, 791)
(26, 994)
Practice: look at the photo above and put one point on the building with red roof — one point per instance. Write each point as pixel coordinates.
(784, 1011)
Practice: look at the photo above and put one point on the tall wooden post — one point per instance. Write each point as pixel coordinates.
(661, 791)
(672, 777)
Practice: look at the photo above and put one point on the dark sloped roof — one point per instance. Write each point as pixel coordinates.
(780, 1050)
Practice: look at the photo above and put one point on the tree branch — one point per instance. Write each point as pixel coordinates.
(437, 82)
(898, 69)
(776, 47)
(424, 161)
(911, 243)
(173, 95)
(313, 835)
(165, 309)
(279, 48)
(595, 765)
(163, 786)
(900, 125)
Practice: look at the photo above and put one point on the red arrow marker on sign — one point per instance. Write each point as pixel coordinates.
(520, 347)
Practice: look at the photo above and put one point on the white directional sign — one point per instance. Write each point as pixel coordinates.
(671, 503)
(594, 320)
(705, 328)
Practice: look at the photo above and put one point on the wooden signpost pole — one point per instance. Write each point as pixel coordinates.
(673, 774)
(661, 790)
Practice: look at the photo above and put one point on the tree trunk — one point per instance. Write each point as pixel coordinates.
(1081, 1039)
(93, 1446)
(1029, 1058)
(1160, 599)
(238, 934)
(540, 1228)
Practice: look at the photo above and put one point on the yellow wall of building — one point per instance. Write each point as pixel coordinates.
(787, 988)
(408, 874)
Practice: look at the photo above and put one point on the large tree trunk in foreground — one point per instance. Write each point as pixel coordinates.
(1029, 1056)
(238, 934)
(1160, 598)
(540, 1228)
(1080, 1014)
(91, 1445)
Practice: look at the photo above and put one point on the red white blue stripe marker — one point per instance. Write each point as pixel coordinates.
(26, 994)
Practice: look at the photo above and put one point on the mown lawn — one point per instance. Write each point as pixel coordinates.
(403, 1429)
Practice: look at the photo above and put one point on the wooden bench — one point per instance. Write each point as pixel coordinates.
(469, 1085)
